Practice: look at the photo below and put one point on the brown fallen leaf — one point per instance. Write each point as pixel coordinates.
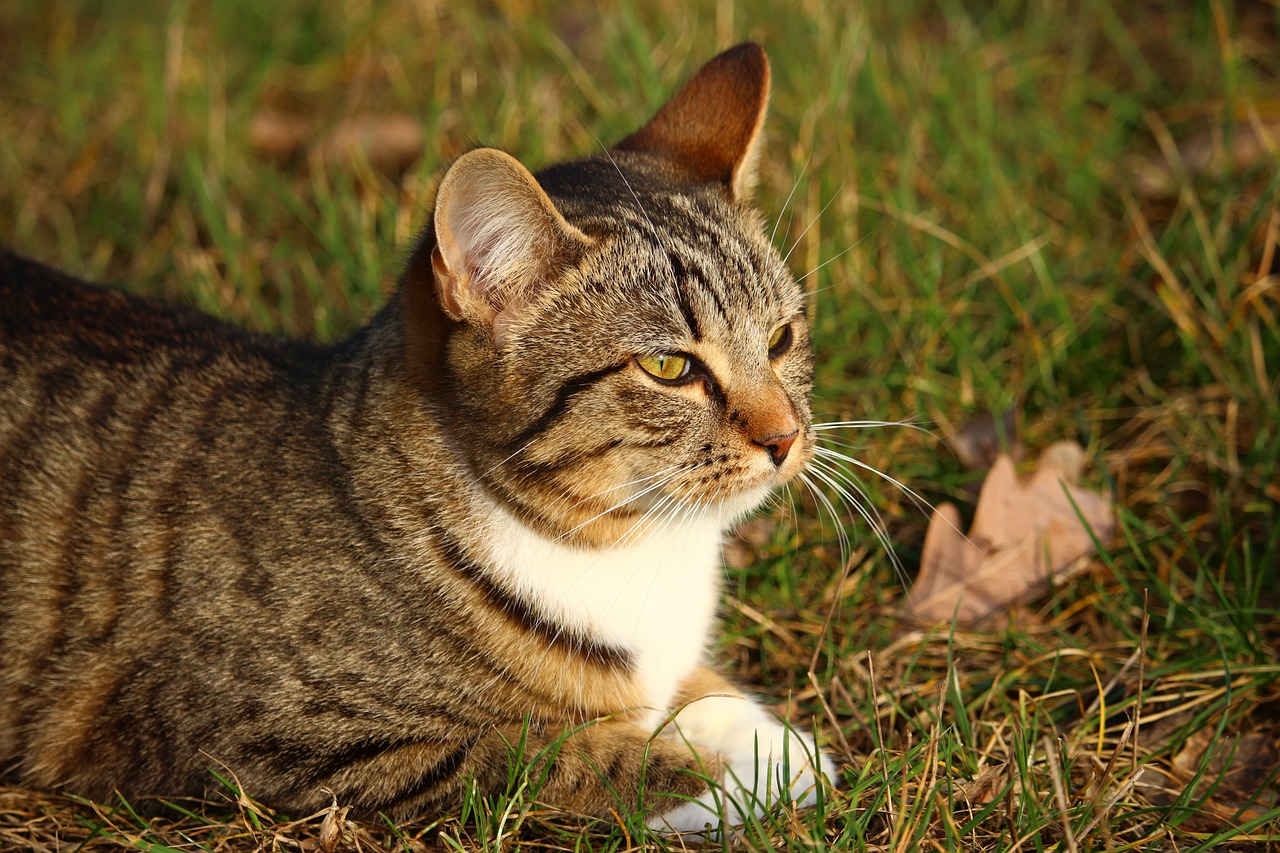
(742, 548)
(1252, 143)
(992, 782)
(980, 440)
(1025, 532)
(278, 136)
(1235, 776)
(390, 143)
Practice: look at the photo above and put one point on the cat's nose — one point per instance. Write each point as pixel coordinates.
(778, 445)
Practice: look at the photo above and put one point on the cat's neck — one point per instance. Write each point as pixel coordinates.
(654, 597)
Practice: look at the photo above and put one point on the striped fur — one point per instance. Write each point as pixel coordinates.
(373, 568)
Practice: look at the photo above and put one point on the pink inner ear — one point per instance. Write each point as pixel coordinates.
(455, 289)
(498, 236)
(710, 129)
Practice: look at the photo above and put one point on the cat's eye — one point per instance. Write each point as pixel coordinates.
(780, 340)
(668, 367)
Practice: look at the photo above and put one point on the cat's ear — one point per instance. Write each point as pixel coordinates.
(498, 239)
(710, 129)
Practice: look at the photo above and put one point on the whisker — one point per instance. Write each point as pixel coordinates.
(791, 195)
(646, 490)
(841, 482)
(502, 462)
(926, 508)
(625, 182)
(825, 502)
(643, 525)
(815, 219)
(918, 499)
(829, 260)
(836, 257)
(676, 517)
(834, 425)
(669, 470)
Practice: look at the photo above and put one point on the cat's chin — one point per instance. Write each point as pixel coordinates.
(735, 508)
(606, 532)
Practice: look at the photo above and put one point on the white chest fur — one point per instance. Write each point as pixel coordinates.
(656, 598)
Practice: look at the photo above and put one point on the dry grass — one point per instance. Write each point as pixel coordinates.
(1064, 210)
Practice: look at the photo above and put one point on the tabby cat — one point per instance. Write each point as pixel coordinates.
(488, 522)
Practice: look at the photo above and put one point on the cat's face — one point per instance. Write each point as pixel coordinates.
(631, 350)
(695, 350)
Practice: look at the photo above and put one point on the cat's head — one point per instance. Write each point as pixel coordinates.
(617, 343)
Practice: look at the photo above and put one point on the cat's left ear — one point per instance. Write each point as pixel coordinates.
(498, 239)
(710, 129)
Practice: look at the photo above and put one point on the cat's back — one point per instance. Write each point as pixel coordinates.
(107, 398)
(81, 364)
(144, 450)
(44, 313)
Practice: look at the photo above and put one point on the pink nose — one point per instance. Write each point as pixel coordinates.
(778, 445)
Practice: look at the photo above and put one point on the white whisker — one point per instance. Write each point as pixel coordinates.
(841, 482)
(815, 219)
(646, 490)
(791, 195)
(829, 260)
(825, 502)
(627, 184)
(833, 425)
(918, 499)
(502, 462)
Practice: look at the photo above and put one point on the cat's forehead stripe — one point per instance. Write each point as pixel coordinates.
(682, 297)
(685, 253)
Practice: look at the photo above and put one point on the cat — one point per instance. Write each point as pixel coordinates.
(489, 521)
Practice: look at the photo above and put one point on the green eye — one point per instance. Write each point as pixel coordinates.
(780, 340)
(669, 368)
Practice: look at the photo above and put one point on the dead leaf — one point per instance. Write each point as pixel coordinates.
(1026, 531)
(389, 143)
(757, 532)
(980, 441)
(278, 136)
(989, 785)
(737, 555)
(742, 548)
(1251, 144)
(1242, 763)
(331, 828)
(1235, 776)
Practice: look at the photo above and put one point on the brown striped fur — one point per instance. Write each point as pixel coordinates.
(224, 548)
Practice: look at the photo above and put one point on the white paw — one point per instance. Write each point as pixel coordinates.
(766, 765)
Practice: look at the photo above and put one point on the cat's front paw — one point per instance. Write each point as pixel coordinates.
(766, 765)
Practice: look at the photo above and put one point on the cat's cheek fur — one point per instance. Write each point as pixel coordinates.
(761, 756)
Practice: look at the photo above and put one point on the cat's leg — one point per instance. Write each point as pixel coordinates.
(605, 766)
(594, 770)
(762, 758)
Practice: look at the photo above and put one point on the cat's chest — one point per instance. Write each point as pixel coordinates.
(656, 600)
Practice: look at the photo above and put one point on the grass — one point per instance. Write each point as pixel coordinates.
(1027, 207)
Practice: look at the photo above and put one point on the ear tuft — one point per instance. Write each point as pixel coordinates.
(710, 129)
(498, 238)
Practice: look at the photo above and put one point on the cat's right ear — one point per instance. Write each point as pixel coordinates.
(498, 239)
(711, 129)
